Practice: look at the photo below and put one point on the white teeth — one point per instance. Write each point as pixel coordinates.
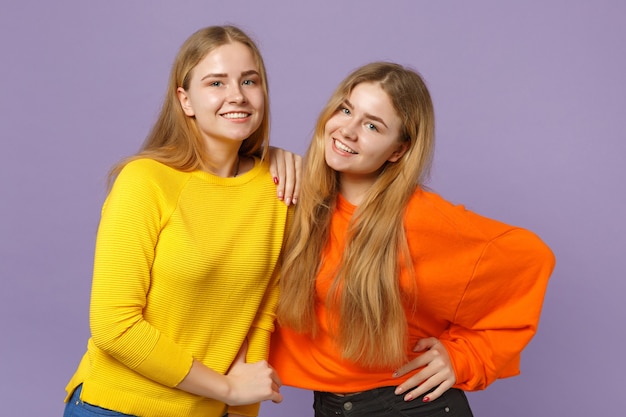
(343, 147)
(235, 115)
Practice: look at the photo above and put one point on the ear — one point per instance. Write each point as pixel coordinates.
(399, 152)
(185, 102)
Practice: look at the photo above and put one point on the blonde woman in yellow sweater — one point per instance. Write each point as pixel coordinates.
(184, 281)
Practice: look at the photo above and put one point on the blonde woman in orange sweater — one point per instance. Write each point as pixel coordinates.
(382, 277)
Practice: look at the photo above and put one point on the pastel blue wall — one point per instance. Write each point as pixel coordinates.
(530, 101)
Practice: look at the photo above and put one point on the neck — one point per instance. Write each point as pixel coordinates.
(224, 167)
(222, 158)
(354, 188)
(236, 172)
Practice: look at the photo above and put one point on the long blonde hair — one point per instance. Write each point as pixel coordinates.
(175, 139)
(372, 328)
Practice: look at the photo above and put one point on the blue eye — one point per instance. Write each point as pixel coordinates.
(248, 82)
(216, 84)
(345, 111)
(372, 126)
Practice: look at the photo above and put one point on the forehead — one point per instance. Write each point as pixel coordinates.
(231, 58)
(369, 97)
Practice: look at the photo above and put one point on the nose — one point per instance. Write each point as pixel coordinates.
(236, 94)
(348, 131)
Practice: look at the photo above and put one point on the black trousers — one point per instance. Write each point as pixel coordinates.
(382, 402)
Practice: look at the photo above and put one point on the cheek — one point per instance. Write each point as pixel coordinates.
(208, 101)
(258, 101)
(331, 125)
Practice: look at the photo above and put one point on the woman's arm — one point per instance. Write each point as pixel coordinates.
(243, 383)
(497, 318)
(129, 228)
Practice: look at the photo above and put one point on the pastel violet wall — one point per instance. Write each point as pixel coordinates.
(530, 101)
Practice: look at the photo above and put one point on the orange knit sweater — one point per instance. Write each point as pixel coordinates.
(480, 287)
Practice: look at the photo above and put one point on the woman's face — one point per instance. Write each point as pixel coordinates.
(363, 134)
(225, 95)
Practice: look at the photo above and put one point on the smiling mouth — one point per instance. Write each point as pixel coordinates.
(343, 147)
(235, 115)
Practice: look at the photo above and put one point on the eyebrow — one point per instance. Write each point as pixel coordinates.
(367, 115)
(224, 75)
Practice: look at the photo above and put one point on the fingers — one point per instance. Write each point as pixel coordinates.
(437, 373)
(440, 387)
(290, 185)
(429, 383)
(285, 168)
(277, 169)
(254, 382)
(289, 178)
(414, 381)
(432, 396)
(413, 365)
(276, 378)
(275, 395)
(424, 344)
(297, 177)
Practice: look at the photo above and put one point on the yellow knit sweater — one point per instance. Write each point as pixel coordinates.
(185, 267)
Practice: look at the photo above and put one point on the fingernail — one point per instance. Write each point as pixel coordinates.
(294, 201)
(275, 179)
(398, 391)
(288, 201)
(395, 374)
(425, 399)
(280, 196)
(408, 397)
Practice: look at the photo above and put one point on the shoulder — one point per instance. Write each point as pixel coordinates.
(258, 177)
(430, 214)
(429, 209)
(144, 176)
(520, 248)
(149, 170)
(261, 168)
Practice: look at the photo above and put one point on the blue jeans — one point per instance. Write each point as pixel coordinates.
(382, 402)
(77, 408)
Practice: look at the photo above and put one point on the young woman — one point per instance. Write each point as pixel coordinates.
(379, 272)
(185, 273)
